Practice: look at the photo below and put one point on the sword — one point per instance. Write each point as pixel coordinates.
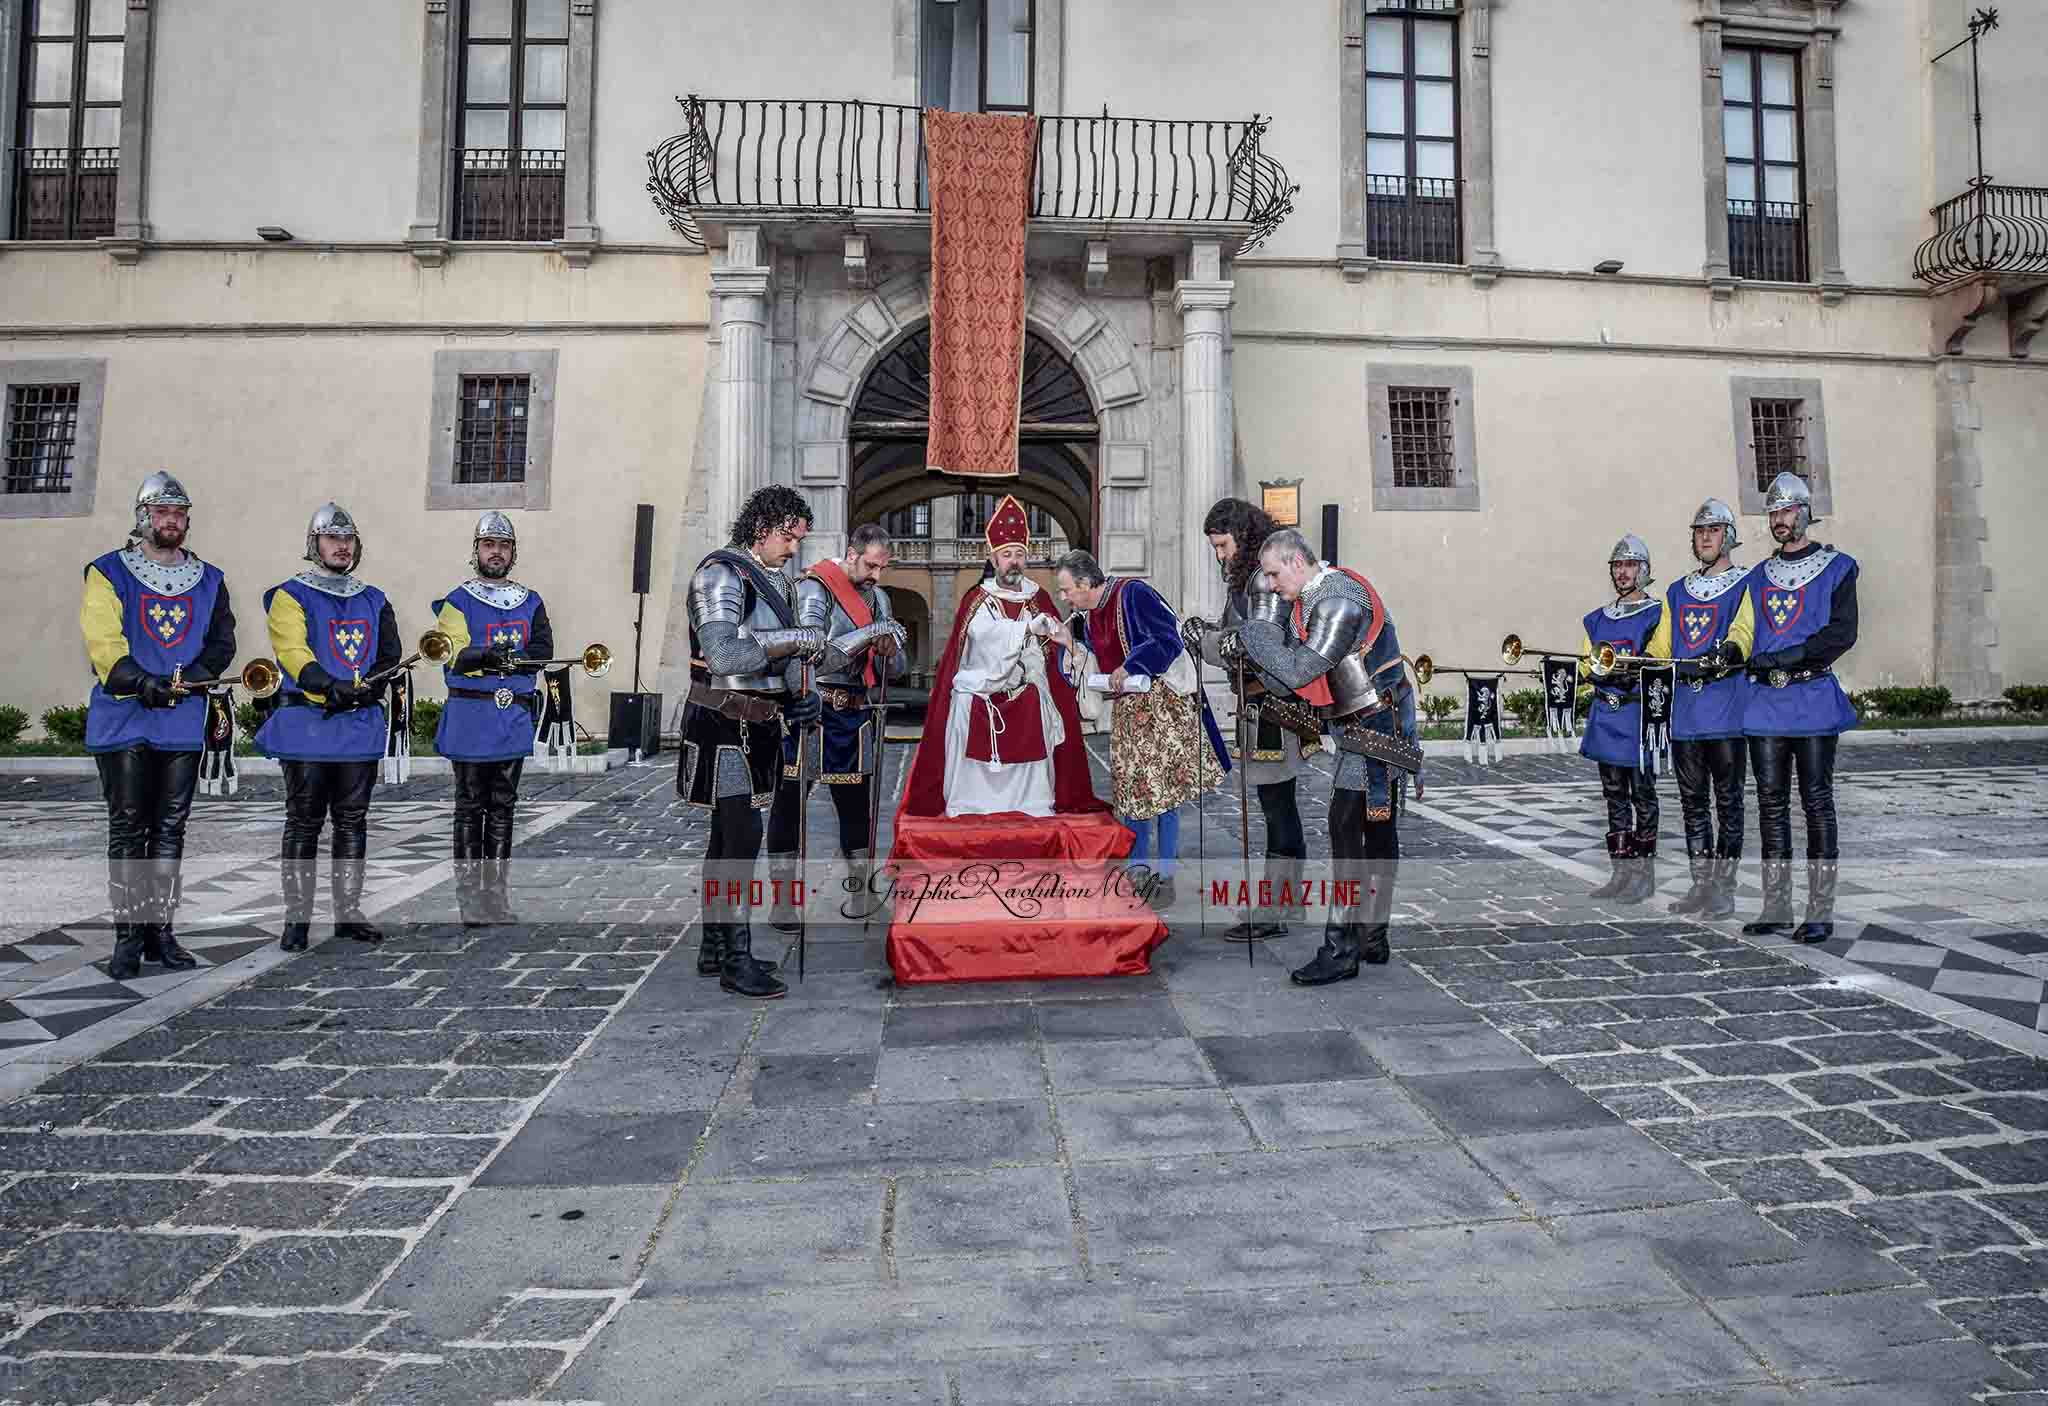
(1245, 745)
(1201, 814)
(803, 827)
(881, 713)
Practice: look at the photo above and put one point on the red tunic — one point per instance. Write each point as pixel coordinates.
(1007, 727)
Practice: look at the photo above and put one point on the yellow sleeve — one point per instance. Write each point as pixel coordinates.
(1585, 655)
(454, 624)
(1658, 646)
(1743, 628)
(99, 620)
(288, 636)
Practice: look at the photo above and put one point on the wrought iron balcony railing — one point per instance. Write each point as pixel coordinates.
(969, 551)
(1989, 229)
(514, 195)
(64, 192)
(1767, 241)
(846, 156)
(1412, 221)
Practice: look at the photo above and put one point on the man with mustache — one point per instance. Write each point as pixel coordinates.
(1804, 599)
(328, 630)
(487, 728)
(155, 619)
(1613, 736)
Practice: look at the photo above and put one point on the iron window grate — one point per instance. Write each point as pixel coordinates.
(1778, 433)
(42, 430)
(1424, 439)
(490, 443)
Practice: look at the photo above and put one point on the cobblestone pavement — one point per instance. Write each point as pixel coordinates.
(1553, 1152)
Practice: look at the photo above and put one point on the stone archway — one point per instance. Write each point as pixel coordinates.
(1093, 342)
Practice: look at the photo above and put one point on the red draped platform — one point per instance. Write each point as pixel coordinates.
(1016, 897)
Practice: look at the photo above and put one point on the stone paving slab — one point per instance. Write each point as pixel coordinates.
(1553, 1152)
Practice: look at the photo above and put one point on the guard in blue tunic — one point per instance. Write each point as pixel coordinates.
(1804, 599)
(844, 599)
(330, 631)
(1709, 627)
(488, 726)
(1613, 736)
(156, 622)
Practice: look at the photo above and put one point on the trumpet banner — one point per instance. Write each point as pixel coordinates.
(1560, 690)
(1657, 687)
(217, 773)
(1482, 718)
(396, 768)
(557, 734)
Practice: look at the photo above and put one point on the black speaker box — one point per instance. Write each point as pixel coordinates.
(643, 547)
(636, 722)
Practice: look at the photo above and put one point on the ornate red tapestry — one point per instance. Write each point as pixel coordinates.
(980, 168)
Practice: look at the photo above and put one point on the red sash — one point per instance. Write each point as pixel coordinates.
(1317, 690)
(834, 576)
(1106, 630)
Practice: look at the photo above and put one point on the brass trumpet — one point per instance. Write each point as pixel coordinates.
(1427, 668)
(595, 660)
(261, 677)
(435, 647)
(1601, 662)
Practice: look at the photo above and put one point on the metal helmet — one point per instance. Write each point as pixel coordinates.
(1715, 513)
(494, 524)
(1632, 548)
(1789, 490)
(332, 520)
(159, 490)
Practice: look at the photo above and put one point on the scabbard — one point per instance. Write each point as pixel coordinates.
(1387, 747)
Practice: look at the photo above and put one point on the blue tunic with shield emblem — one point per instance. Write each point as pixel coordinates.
(1789, 615)
(165, 632)
(1614, 725)
(1699, 623)
(342, 634)
(478, 729)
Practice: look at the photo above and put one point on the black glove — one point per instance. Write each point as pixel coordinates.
(1191, 631)
(346, 695)
(804, 709)
(500, 658)
(155, 691)
(1727, 655)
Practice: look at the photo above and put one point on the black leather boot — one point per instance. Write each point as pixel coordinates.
(1269, 921)
(159, 933)
(1700, 894)
(782, 880)
(742, 975)
(347, 888)
(1721, 888)
(1641, 868)
(126, 963)
(711, 949)
(1337, 959)
(863, 896)
(1776, 916)
(495, 877)
(1819, 926)
(1370, 936)
(1617, 856)
(299, 876)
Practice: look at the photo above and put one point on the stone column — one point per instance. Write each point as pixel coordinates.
(1965, 622)
(739, 289)
(131, 188)
(1203, 301)
(427, 236)
(1714, 152)
(1481, 248)
(1823, 189)
(579, 231)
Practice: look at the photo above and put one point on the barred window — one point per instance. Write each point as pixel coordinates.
(1424, 440)
(1778, 434)
(42, 430)
(491, 436)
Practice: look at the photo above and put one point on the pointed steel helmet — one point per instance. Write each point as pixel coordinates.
(1633, 548)
(494, 524)
(332, 520)
(1789, 490)
(160, 490)
(1715, 513)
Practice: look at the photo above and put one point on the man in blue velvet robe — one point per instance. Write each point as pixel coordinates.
(1160, 757)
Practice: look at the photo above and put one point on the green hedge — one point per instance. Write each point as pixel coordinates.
(65, 725)
(13, 721)
(2028, 697)
(1919, 702)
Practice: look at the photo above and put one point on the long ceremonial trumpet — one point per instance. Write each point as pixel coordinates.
(435, 647)
(595, 660)
(261, 677)
(1601, 662)
(1427, 668)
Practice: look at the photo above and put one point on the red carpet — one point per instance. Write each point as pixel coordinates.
(1016, 898)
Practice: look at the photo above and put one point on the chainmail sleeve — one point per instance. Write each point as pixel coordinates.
(1334, 617)
(717, 600)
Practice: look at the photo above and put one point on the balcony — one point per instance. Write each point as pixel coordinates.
(956, 552)
(1412, 220)
(507, 195)
(1767, 241)
(1990, 231)
(62, 193)
(863, 164)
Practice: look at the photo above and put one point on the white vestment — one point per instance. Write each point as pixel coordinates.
(997, 655)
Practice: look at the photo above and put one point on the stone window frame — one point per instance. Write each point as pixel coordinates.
(89, 374)
(429, 234)
(1475, 136)
(131, 186)
(1807, 28)
(542, 368)
(1813, 408)
(1464, 494)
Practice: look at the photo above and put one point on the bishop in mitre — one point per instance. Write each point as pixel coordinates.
(1002, 732)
